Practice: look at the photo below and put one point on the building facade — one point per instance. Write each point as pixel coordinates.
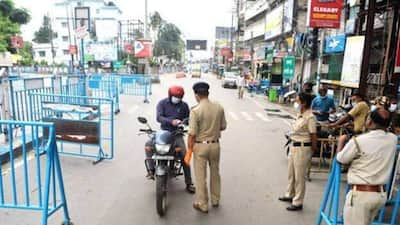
(103, 29)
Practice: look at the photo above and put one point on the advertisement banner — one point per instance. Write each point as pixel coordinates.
(226, 52)
(324, 13)
(397, 65)
(128, 48)
(143, 49)
(353, 55)
(335, 44)
(102, 51)
(17, 42)
(289, 64)
(273, 23)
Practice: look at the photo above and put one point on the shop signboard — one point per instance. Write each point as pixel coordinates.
(273, 22)
(353, 55)
(324, 13)
(118, 64)
(335, 44)
(289, 64)
(102, 51)
(397, 65)
(143, 49)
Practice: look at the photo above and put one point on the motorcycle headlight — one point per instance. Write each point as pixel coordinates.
(162, 149)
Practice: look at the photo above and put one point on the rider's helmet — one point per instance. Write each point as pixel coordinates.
(176, 91)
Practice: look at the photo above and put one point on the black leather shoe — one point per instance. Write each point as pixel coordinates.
(190, 188)
(285, 199)
(150, 175)
(295, 208)
(215, 205)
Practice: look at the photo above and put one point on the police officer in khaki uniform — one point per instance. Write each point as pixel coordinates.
(304, 141)
(207, 120)
(371, 157)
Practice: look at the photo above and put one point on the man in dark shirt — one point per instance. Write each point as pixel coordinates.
(171, 112)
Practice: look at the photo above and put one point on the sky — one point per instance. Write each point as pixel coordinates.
(197, 19)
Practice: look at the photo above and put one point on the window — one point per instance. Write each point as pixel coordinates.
(65, 38)
(64, 24)
(66, 52)
(42, 53)
(98, 11)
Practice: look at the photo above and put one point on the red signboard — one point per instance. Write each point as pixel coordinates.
(73, 50)
(143, 49)
(226, 52)
(128, 48)
(397, 66)
(324, 13)
(17, 42)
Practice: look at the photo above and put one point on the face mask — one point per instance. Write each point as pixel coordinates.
(373, 108)
(175, 100)
(296, 107)
(323, 97)
(393, 108)
(354, 104)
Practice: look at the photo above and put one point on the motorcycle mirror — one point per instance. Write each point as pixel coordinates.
(142, 120)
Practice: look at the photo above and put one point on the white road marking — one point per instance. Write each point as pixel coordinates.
(262, 117)
(247, 116)
(233, 115)
(17, 164)
(133, 109)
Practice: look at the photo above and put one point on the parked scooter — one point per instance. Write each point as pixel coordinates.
(167, 162)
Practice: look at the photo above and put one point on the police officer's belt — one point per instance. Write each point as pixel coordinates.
(207, 142)
(300, 144)
(368, 188)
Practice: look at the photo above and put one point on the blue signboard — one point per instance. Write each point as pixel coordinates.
(335, 44)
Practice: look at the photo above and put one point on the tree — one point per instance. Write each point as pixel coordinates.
(169, 42)
(156, 21)
(26, 54)
(11, 19)
(45, 33)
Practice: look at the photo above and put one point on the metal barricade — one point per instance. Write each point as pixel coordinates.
(81, 121)
(330, 206)
(32, 181)
(105, 88)
(136, 86)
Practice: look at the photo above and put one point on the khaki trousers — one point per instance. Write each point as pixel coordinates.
(207, 154)
(361, 207)
(299, 158)
(240, 91)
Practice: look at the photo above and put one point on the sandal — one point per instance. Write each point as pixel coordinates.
(197, 207)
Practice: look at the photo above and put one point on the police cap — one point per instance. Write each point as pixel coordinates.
(201, 88)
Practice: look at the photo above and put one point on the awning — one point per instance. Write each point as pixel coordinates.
(339, 83)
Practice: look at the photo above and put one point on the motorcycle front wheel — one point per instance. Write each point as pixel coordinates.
(161, 194)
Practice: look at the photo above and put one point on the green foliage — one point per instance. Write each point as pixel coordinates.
(156, 21)
(43, 63)
(169, 42)
(45, 32)
(26, 53)
(11, 19)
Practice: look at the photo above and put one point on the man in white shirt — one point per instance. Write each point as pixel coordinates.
(371, 158)
(241, 84)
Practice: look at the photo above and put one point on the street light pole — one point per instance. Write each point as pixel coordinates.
(146, 25)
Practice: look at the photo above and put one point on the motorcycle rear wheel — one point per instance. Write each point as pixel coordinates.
(161, 195)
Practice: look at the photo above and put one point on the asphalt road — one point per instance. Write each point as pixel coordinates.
(253, 170)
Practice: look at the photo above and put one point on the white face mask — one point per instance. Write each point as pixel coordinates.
(353, 104)
(175, 100)
(296, 107)
(373, 108)
(393, 108)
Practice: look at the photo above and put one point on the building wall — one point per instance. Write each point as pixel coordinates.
(104, 20)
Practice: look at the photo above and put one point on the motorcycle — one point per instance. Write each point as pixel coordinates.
(167, 162)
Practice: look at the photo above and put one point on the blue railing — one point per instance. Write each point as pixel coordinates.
(42, 182)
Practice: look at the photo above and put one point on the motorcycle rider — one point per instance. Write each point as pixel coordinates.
(171, 112)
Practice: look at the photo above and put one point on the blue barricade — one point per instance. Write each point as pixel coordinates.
(105, 88)
(81, 121)
(329, 211)
(37, 184)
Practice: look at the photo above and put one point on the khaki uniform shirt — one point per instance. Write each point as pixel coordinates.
(359, 114)
(207, 120)
(304, 125)
(372, 163)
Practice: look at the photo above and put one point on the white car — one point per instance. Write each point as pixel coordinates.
(230, 80)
